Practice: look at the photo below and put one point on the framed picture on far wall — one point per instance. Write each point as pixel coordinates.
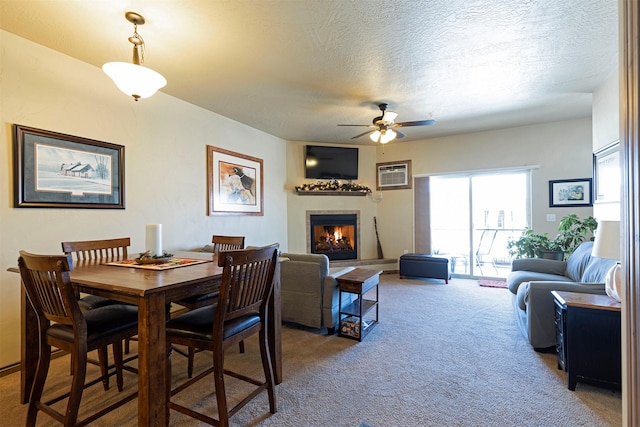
(54, 170)
(234, 182)
(570, 193)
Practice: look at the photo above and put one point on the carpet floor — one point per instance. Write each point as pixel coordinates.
(442, 355)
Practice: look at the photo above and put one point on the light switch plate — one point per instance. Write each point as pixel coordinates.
(551, 217)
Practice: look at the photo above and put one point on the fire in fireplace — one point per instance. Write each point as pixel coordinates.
(334, 235)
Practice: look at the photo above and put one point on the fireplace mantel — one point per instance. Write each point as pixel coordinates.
(331, 193)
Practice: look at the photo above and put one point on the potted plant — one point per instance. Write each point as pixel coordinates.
(571, 232)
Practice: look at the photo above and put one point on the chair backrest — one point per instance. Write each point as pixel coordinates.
(48, 286)
(247, 282)
(486, 242)
(227, 243)
(88, 250)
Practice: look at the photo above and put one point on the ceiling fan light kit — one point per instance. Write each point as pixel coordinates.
(384, 126)
(132, 78)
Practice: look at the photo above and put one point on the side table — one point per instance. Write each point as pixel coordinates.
(352, 320)
(588, 338)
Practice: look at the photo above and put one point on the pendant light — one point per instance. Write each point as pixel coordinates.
(132, 78)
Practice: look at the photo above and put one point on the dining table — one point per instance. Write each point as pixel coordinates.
(151, 290)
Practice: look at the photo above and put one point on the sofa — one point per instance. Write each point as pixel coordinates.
(532, 279)
(309, 293)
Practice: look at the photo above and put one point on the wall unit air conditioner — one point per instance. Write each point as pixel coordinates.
(393, 175)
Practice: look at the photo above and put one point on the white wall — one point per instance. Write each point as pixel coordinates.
(606, 130)
(606, 113)
(165, 166)
(561, 149)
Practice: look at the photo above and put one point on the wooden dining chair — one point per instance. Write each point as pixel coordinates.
(88, 251)
(220, 243)
(97, 251)
(62, 324)
(241, 311)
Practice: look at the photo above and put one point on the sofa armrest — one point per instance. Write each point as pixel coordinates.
(331, 299)
(536, 299)
(301, 288)
(321, 260)
(539, 265)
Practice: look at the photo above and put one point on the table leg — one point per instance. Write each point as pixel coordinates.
(153, 408)
(28, 346)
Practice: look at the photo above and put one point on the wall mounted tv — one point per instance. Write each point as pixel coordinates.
(330, 162)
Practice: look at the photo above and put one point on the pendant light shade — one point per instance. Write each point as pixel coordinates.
(132, 78)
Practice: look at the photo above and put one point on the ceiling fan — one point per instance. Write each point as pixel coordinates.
(385, 128)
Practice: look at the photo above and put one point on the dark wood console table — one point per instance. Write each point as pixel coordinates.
(588, 339)
(352, 317)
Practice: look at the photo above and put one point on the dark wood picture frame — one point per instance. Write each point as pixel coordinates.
(55, 170)
(234, 182)
(564, 193)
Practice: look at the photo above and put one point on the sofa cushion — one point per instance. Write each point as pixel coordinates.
(578, 261)
(597, 270)
(516, 278)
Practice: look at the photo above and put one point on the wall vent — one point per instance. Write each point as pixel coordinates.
(394, 175)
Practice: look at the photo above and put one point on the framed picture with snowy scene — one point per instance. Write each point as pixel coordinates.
(54, 170)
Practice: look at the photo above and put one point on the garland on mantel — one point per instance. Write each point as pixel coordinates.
(333, 185)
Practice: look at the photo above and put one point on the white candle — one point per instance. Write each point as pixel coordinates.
(154, 239)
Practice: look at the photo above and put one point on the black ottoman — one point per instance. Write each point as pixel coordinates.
(425, 266)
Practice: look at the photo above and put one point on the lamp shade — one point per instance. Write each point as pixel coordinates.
(390, 116)
(134, 80)
(607, 242)
(383, 136)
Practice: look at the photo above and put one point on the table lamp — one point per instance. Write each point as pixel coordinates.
(607, 245)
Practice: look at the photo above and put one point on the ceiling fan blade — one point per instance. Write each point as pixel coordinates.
(364, 133)
(417, 123)
(399, 134)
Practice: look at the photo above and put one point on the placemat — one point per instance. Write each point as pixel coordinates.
(172, 263)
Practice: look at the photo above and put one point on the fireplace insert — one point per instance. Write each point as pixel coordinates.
(334, 235)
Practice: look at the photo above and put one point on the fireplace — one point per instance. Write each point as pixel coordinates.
(334, 234)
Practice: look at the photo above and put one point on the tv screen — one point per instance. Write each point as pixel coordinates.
(331, 162)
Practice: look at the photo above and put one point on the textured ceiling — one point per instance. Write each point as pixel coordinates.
(297, 68)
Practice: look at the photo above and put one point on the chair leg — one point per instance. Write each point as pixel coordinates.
(77, 387)
(44, 360)
(267, 366)
(103, 360)
(190, 357)
(126, 346)
(241, 346)
(117, 361)
(221, 394)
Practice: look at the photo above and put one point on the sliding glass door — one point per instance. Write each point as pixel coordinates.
(472, 216)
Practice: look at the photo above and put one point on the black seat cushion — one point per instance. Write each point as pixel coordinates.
(198, 324)
(200, 298)
(101, 322)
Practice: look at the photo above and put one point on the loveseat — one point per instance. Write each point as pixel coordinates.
(532, 279)
(309, 292)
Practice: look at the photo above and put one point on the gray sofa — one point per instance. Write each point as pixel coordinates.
(309, 292)
(532, 280)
